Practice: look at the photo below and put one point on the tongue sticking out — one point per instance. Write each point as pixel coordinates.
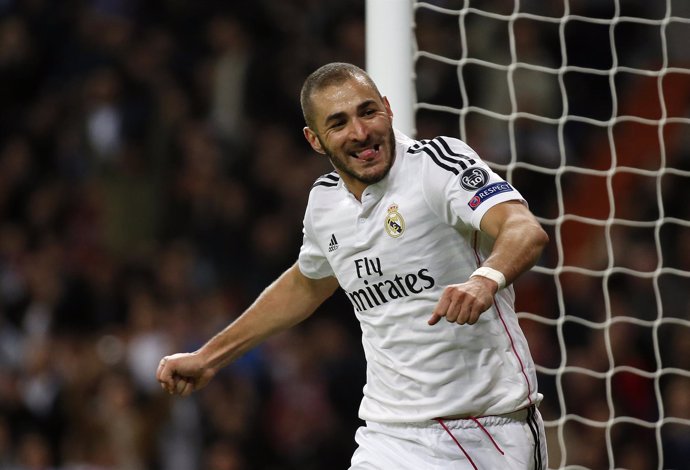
(367, 154)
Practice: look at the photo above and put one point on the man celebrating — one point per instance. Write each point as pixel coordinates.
(414, 232)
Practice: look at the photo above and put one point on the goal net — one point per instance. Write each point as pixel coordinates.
(585, 106)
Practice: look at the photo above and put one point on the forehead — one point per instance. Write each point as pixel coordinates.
(342, 97)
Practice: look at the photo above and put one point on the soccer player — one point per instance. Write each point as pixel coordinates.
(425, 240)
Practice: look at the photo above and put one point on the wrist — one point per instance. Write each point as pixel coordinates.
(490, 273)
(207, 358)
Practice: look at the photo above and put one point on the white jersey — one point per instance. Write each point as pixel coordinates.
(414, 233)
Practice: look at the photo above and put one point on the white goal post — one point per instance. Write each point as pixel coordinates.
(585, 105)
(390, 22)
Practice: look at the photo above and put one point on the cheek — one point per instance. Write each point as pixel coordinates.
(333, 144)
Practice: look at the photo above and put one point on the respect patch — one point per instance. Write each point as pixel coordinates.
(487, 192)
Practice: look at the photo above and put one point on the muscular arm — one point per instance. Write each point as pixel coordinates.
(290, 299)
(519, 240)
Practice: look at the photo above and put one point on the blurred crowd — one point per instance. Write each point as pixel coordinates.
(153, 177)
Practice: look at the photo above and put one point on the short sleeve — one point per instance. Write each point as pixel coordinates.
(458, 186)
(312, 262)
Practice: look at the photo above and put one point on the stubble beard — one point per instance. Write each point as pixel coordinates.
(342, 166)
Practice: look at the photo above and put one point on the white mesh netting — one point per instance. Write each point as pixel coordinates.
(585, 106)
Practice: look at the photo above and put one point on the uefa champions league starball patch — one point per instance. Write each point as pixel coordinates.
(394, 223)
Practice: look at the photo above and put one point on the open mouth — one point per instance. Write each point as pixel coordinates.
(367, 154)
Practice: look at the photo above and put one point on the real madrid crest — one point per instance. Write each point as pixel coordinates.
(394, 224)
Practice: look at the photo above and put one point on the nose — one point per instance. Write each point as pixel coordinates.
(358, 130)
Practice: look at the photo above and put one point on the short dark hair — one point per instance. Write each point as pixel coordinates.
(334, 73)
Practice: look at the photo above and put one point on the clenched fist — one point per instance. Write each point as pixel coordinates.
(184, 373)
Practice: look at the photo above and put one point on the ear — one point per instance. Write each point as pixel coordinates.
(313, 140)
(388, 107)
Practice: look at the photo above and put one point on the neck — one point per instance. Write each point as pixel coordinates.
(353, 185)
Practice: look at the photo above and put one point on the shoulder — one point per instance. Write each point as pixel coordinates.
(444, 153)
(329, 180)
(324, 191)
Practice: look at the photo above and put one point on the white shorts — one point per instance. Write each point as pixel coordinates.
(508, 442)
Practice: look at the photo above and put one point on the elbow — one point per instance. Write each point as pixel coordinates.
(540, 239)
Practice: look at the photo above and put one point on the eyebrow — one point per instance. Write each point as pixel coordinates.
(341, 114)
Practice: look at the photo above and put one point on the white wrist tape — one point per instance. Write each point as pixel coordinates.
(491, 273)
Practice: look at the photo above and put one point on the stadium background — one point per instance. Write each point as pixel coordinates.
(153, 176)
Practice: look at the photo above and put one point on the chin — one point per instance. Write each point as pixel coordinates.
(377, 175)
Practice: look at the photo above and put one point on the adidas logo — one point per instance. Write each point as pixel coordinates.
(333, 244)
